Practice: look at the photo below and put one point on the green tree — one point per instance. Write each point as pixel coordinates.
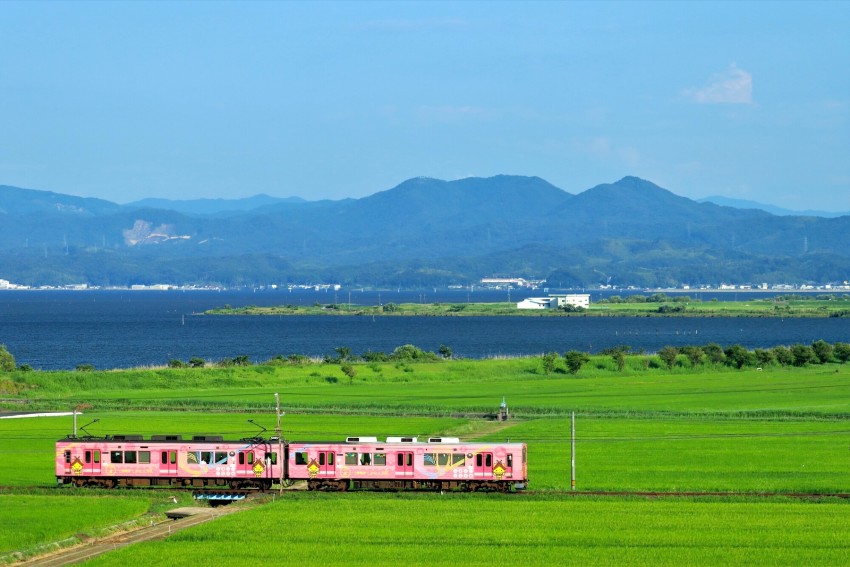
(343, 352)
(7, 361)
(783, 355)
(694, 354)
(197, 362)
(668, 354)
(550, 362)
(619, 359)
(714, 352)
(764, 357)
(445, 351)
(737, 356)
(575, 360)
(803, 355)
(349, 371)
(842, 352)
(823, 350)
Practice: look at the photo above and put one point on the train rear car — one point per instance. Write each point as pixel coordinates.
(405, 463)
(166, 460)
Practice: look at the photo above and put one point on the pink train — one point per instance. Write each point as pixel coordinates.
(397, 463)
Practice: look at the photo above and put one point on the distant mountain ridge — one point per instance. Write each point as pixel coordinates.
(422, 232)
(213, 206)
(772, 209)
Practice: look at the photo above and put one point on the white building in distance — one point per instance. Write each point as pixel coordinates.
(556, 301)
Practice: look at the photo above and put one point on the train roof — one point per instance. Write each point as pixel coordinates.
(167, 438)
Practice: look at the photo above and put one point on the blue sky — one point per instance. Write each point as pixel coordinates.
(123, 101)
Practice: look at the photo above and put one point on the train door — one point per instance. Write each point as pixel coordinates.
(326, 464)
(168, 462)
(483, 465)
(91, 461)
(245, 463)
(404, 463)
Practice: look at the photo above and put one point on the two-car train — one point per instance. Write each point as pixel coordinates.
(397, 463)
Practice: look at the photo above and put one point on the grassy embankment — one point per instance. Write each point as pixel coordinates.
(674, 307)
(782, 429)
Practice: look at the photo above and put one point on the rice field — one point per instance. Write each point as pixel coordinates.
(29, 519)
(363, 529)
(782, 430)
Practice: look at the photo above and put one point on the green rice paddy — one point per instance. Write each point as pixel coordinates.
(743, 433)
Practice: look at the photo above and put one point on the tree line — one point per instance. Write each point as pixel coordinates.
(711, 354)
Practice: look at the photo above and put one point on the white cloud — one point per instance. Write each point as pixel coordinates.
(733, 86)
(604, 148)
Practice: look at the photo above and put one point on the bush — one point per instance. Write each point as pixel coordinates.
(842, 352)
(823, 350)
(197, 362)
(412, 353)
(7, 361)
(175, 363)
(550, 362)
(575, 360)
(84, 368)
(803, 355)
(375, 356)
(668, 354)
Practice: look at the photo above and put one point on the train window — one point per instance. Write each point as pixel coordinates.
(380, 460)
(163, 457)
(250, 458)
(366, 459)
(192, 458)
(301, 458)
(400, 459)
(241, 458)
(479, 459)
(129, 457)
(205, 457)
(321, 459)
(351, 458)
(458, 459)
(442, 459)
(221, 457)
(510, 461)
(272, 457)
(173, 459)
(144, 457)
(116, 456)
(330, 458)
(410, 459)
(97, 455)
(488, 460)
(428, 459)
(68, 457)
(88, 457)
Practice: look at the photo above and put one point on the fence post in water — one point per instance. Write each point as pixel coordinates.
(573, 452)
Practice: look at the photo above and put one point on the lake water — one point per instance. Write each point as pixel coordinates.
(122, 329)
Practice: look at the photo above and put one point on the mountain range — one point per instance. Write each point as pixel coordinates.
(422, 232)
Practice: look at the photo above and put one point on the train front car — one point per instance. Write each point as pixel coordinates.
(166, 460)
(405, 463)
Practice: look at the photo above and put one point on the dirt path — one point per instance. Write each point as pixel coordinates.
(95, 547)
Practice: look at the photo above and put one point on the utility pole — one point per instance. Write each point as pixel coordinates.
(279, 440)
(573, 454)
